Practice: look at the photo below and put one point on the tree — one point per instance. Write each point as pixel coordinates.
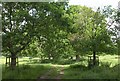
(17, 24)
(113, 25)
(24, 22)
(90, 32)
(100, 39)
(81, 26)
(55, 32)
(76, 35)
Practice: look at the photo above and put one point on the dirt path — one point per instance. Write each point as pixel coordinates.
(46, 75)
(59, 72)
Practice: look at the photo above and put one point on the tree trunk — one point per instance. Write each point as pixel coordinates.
(94, 58)
(77, 58)
(13, 61)
(49, 56)
(71, 58)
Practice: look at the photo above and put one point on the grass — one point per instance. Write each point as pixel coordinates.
(109, 59)
(33, 69)
(26, 72)
(81, 72)
(103, 58)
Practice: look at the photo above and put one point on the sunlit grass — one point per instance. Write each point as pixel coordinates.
(112, 59)
(103, 58)
(34, 70)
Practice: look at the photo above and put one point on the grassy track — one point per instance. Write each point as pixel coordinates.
(29, 70)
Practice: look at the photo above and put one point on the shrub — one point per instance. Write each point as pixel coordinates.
(46, 61)
(64, 61)
(83, 67)
(26, 66)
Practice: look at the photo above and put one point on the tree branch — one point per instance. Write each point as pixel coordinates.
(23, 47)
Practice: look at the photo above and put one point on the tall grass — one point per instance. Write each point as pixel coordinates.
(104, 71)
(25, 72)
(108, 69)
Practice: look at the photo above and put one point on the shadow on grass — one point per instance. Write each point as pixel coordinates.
(60, 62)
(77, 71)
(25, 72)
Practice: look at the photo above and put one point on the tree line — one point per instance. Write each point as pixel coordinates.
(56, 30)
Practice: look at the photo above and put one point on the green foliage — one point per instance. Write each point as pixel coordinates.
(65, 61)
(56, 31)
(46, 61)
(80, 66)
(15, 36)
(25, 33)
(25, 67)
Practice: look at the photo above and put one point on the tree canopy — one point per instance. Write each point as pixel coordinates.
(55, 30)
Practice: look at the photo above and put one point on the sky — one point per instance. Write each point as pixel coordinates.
(95, 3)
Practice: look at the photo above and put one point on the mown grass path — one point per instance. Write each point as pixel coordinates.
(61, 73)
(56, 72)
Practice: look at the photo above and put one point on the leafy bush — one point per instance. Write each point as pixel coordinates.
(46, 61)
(26, 66)
(64, 61)
(83, 67)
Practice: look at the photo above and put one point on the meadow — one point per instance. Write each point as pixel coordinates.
(33, 69)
